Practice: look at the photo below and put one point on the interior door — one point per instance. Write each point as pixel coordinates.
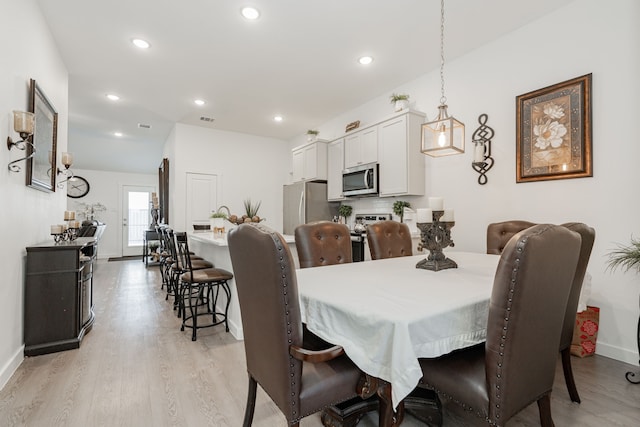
(136, 218)
(202, 198)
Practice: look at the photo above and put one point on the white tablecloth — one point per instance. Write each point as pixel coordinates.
(387, 313)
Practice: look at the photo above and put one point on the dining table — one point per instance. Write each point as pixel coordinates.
(387, 313)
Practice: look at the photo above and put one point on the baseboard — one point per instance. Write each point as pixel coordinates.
(11, 366)
(617, 353)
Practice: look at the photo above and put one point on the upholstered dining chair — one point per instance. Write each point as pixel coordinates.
(299, 381)
(389, 239)
(323, 243)
(588, 236)
(516, 365)
(498, 234)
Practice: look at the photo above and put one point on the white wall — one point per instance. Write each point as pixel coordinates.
(248, 166)
(587, 36)
(106, 188)
(29, 52)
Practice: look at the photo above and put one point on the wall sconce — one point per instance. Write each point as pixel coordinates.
(67, 161)
(23, 123)
(482, 160)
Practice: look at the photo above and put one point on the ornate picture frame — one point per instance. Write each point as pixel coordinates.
(553, 132)
(41, 168)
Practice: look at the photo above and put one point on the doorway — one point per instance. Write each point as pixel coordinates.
(202, 198)
(136, 218)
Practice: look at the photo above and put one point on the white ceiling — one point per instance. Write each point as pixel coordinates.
(298, 60)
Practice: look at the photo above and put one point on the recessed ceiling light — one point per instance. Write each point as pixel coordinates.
(250, 13)
(365, 60)
(142, 44)
(118, 134)
(113, 97)
(199, 102)
(278, 118)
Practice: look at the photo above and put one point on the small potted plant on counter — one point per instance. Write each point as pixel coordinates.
(312, 135)
(217, 222)
(345, 211)
(398, 208)
(401, 101)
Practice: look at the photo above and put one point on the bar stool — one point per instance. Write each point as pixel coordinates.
(201, 287)
(178, 267)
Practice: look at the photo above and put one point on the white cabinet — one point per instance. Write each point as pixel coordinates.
(335, 165)
(401, 164)
(361, 147)
(310, 161)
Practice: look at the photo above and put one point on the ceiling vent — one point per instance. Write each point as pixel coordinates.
(207, 119)
(144, 126)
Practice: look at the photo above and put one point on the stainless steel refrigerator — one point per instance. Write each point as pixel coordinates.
(305, 202)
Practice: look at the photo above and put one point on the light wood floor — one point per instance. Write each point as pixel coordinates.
(135, 368)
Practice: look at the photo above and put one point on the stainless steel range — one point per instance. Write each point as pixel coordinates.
(359, 233)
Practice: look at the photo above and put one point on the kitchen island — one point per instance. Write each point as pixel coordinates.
(216, 249)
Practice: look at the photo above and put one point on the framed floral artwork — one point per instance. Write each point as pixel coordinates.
(553, 135)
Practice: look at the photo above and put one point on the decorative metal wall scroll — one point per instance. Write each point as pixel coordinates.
(481, 138)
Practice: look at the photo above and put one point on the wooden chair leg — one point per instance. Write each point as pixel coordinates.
(387, 417)
(568, 375)
(251, 402)
(544, 407)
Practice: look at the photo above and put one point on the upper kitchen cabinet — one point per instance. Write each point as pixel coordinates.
(401, 164)
(361, 147)
(334, 170)
(310, 162)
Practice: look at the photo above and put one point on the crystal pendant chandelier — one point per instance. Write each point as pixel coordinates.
(445, 135)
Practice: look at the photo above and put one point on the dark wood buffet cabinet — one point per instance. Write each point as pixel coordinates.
(58, 295)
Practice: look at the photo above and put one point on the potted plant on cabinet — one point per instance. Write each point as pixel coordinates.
(401, 101)
(398, 208)
(312, 135)
(345, 211)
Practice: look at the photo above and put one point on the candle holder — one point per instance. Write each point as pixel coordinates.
(59, 237)
(436, 236)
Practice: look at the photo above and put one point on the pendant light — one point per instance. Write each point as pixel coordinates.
(445, 135)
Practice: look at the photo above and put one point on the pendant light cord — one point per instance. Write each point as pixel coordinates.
(443, 99)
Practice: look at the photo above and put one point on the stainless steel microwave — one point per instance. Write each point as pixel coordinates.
(360, 180)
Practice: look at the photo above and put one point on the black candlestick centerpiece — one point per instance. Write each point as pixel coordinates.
(435, 236)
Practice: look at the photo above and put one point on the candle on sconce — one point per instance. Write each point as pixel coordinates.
(56, 229)
(68, 215)
(23, 122)
(74, 224)
(67, 159)
(424, 216)
(64, 227)
(478, 153)
(447, 216)
(436, 203)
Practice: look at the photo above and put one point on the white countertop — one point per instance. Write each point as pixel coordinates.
(208, 237)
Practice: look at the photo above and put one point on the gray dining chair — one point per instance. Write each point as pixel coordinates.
(299, 381)
(516, 365)
(498, 235)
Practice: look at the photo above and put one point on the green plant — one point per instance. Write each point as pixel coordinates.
(399, 97)
(626, 257)
(398, 208)
(250, 208)
(219, 215)
(345, 211)
(312, 132)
